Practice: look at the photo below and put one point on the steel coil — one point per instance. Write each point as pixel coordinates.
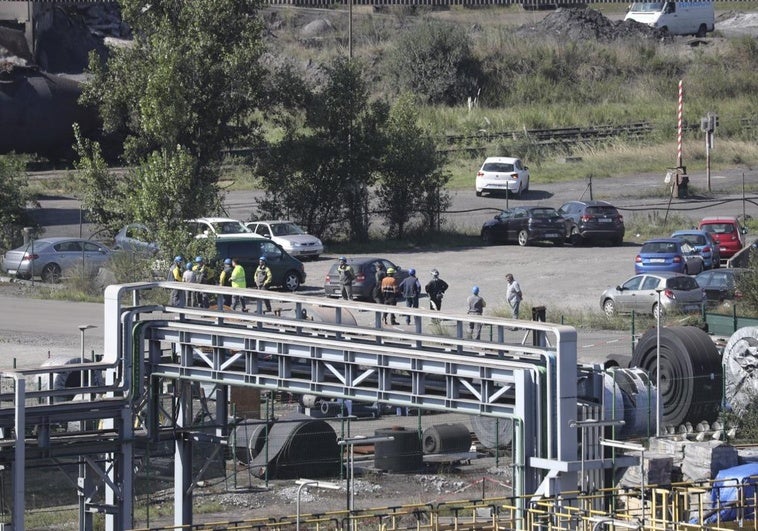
(445, 438)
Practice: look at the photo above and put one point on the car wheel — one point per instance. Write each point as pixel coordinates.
(701, 31)
(609, 307)
(559, 243)
(619, 240)
(291, 281)
(656, 309)
(478, 193)
(51, 273)
(487, 237)
(526, 188)
(523, 238)
(575, 237)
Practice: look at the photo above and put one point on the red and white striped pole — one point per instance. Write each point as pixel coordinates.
(679, 127)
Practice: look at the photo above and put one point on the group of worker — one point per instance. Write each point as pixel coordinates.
(232, 275)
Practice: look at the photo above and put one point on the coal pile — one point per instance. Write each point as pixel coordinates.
(589, 24)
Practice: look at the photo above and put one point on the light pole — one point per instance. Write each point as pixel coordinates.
(351, 444)
(634, 447)
(658, 363)
(313, 483)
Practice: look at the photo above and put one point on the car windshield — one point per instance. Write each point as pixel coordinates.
(682, 283)
(285, 229)
(498, 166)
(659, 247)
(602, 211)
(544, 213)
(719, 228)
(230, 227)
(646, 7)
(693, 239)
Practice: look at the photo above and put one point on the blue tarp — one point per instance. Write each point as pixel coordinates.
(725, 494)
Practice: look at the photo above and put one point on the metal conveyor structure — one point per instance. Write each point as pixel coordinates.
(525, 371)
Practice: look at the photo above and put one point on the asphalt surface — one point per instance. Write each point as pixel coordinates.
(566, 279)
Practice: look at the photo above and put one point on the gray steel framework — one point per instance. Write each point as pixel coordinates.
(432, 366)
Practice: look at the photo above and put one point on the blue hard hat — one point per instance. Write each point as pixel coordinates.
(228, 261)
(189, 266)
(475, 290)
(411, 272)
(198, 259)
(343, 259)
(178, 259)
(262, 258)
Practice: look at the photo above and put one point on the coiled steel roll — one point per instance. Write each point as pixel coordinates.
(403, 454)
(445, 438)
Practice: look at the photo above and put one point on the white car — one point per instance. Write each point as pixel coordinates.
(290, 236)
(202, 227)
(505, 175)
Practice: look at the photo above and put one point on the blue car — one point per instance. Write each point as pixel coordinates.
(668, 254)
(703, 242)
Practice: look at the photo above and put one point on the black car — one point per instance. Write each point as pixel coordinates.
(525, 225)
(287, 272)
(365, 277)
(720, 285)
(592, 221)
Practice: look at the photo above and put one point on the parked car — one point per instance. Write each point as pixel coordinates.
(363, 285)
(680, 293)
(53, 258)
(525, 225)
(721, 285)
(592, 221)
(202, 227)
(668, 254)
(136, 238)
(290, 236)
(288, 272)
(727, 232)
(705, 245)
(502, 174)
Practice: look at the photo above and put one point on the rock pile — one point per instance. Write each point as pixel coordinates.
(589, 24)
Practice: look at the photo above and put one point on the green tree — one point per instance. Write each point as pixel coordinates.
(435, 62)
(179, 95)
(14, 197)
(747, 284)
(411, 181)
(321, 174)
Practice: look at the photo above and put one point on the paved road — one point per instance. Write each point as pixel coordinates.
(570, 279)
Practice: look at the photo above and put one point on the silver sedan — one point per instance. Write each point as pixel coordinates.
(679, 293)
(53, 258)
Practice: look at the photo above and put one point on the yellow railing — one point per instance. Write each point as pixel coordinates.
(682, 507)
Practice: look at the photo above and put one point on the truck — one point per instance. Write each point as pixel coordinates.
(678, 18)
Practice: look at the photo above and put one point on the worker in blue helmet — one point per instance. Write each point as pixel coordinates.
(263, 278)
(475, 306)
(225, 279)
(410, 287)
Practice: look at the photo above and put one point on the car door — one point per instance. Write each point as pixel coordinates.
(626, 298)
(68, 254)
(501, 228)
(519, 220)
(568, 212)
(96, 254)
(646, 296)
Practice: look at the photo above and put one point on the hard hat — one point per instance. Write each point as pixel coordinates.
(475, 290)
(435, 273)
(262, 259)
(198, 259)
(189, 266)
(228, 261)
(391, 271)
(411, 271)
(343, 259)
(178, 259)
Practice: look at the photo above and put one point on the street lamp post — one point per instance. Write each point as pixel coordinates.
(351, 443)
(634, 447)
(658, 364)
(313, 483)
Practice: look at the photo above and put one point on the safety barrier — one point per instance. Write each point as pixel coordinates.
(680, 506)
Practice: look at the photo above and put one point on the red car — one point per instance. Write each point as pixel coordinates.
(726, 231)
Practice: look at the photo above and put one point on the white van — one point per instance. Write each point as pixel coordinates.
(678, 18)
